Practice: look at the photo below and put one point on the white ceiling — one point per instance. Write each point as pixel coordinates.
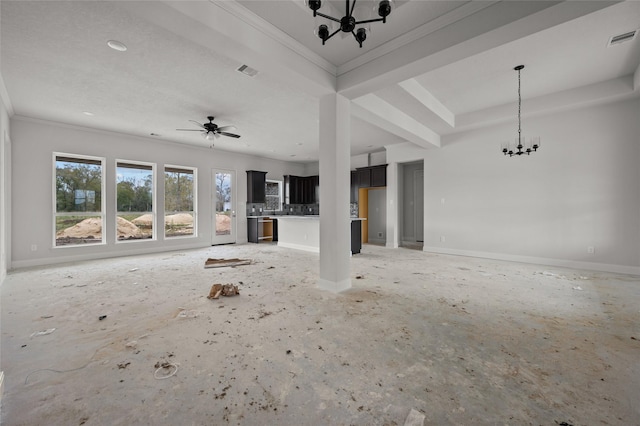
(435, 67)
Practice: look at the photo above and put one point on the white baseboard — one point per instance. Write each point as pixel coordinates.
(299, 247)
(18, 264)
(562, 263)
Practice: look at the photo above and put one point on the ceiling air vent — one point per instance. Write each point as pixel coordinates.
(245, 69)
(621, 38)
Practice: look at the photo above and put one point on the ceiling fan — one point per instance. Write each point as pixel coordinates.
(211, 130)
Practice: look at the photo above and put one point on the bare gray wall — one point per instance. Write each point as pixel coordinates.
(33, 145)
(580, 190)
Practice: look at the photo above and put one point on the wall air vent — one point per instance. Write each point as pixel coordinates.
(621, 38)
(245, 69)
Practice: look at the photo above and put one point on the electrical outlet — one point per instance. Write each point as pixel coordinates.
(379, 234)
(442, 238)
(34, 247)
(591, 250)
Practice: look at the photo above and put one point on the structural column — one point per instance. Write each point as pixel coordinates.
(393, 223)
(335, 163)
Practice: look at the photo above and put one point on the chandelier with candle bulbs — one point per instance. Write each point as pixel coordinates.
(349, 23)
(520, 147)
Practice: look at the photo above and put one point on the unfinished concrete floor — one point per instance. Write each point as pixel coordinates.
(464, 341)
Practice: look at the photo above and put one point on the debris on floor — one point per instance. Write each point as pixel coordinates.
(101, 317)
(223, 289)
(415, 418)
(42, 333)
(187, 314)
(577, 288)
(219, 263)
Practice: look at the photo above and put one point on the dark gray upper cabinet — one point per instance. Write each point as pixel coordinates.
(373, 176)
(302, 189)
(256, 184)
(379, 175)
(354, 187)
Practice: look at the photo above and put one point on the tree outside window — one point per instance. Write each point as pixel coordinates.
(134, 188)
(179, 201)
(79, 215)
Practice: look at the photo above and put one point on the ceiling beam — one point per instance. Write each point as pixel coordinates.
(417, 90)
(593, 94)
(488, 28)
(384, 115)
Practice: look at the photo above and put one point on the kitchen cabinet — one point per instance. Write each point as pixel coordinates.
(293, 189)
(256, 184)
(262, 228)
(373, 176)
(379, 175)
(353, 198)
(312, 192)
(302, 189)
(364, 177)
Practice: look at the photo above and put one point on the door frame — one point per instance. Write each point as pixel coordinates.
(231, 238)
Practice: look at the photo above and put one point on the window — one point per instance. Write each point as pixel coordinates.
(79, 215)
(273, 195)
(179, 201)
(134, 200)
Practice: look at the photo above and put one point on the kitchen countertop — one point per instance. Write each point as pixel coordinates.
(291, 216)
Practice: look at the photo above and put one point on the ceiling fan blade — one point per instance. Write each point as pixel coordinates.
(189, 130)
(225, 128)
(231, 135)
(198, 124)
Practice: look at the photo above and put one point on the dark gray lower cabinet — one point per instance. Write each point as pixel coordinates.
(356, 236)
(256, 229)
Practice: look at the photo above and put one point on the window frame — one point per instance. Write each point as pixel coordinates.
(194, 171)
(280, 193)
(154, 192)
(101, 214)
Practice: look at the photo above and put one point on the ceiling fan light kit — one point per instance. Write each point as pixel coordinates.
(348, 23)
(211, 131)
(520, 148)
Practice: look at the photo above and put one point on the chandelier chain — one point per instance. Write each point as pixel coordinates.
(520, 148)
(519, 110)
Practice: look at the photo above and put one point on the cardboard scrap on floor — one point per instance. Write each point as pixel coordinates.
(223, 289)
(415, 418)
(219, 263)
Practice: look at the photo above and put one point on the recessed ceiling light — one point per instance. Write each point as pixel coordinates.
(154, 134)
(116, 45)
(90, 114)
(292, 155)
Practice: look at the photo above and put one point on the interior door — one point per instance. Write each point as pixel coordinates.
(224, 207)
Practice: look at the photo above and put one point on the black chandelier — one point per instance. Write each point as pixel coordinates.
(534, 144)
(348, 22)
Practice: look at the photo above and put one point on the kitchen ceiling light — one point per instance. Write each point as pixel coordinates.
(534, 144)
(349, 23)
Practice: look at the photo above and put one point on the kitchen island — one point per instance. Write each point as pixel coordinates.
(303, 233)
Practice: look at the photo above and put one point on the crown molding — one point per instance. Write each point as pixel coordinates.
(422, 31)
(4, 97)
(250, 18)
